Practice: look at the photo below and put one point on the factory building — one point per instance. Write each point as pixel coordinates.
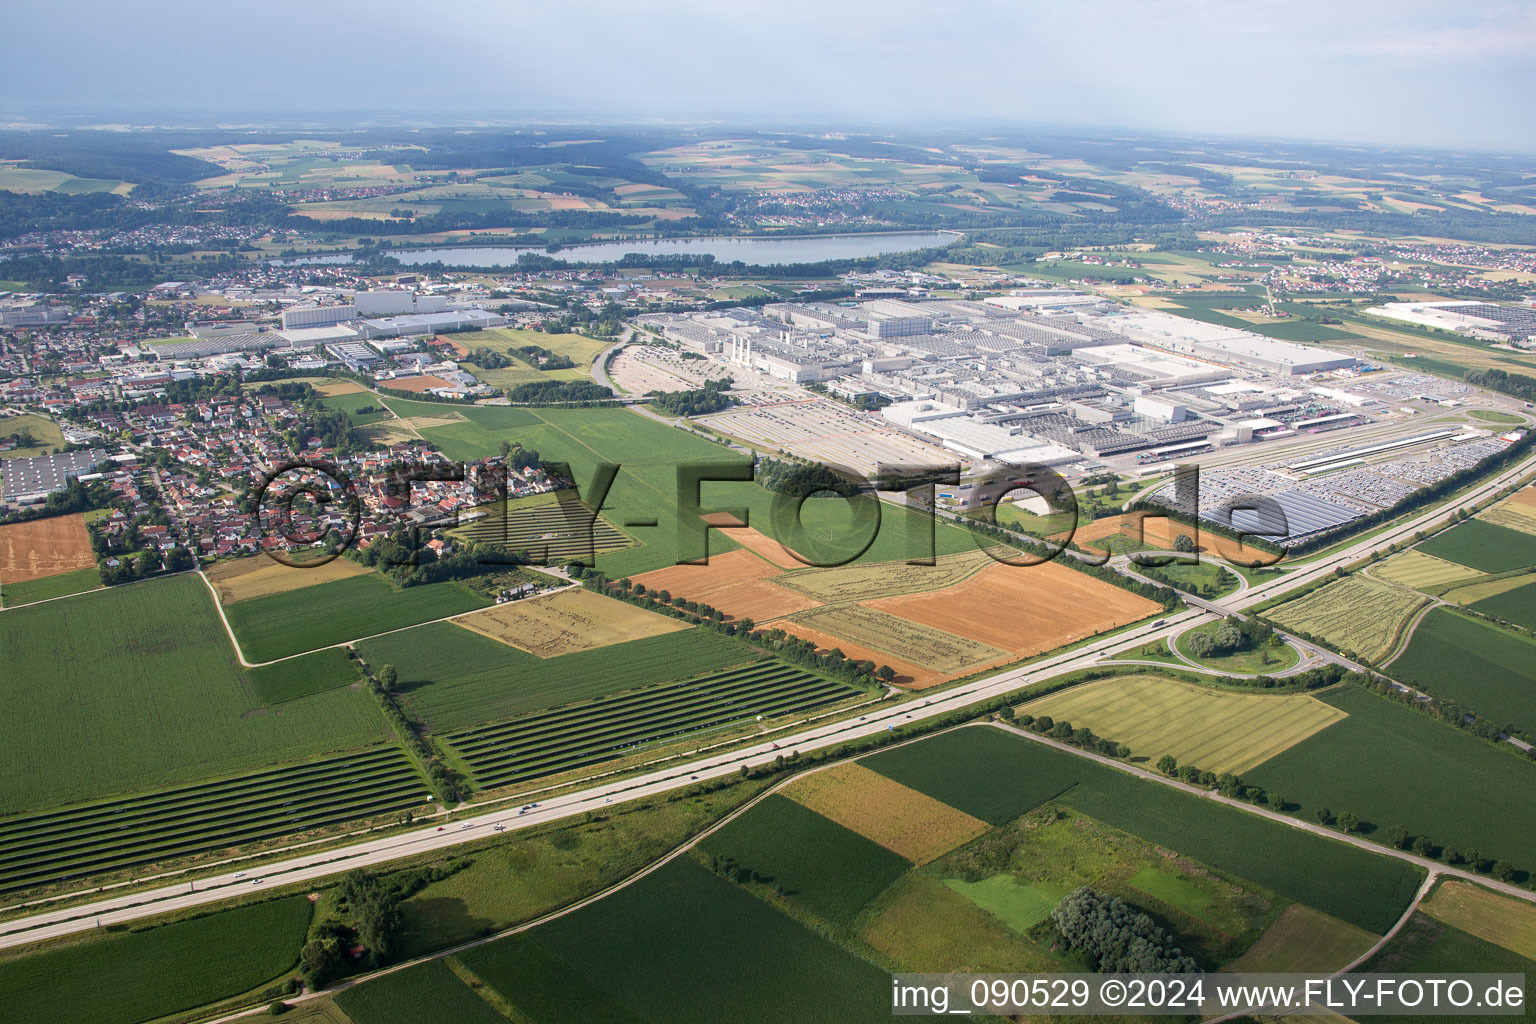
(318, 316)
(1226, 344)
(397, 302)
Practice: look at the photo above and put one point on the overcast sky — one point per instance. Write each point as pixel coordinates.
(1402, 71)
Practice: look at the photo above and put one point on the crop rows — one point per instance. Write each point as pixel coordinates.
(135, 831)
(547, 529)
(550, 742)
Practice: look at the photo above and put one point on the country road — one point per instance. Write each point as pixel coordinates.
(310, 867)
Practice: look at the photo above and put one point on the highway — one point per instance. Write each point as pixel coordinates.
(312, 867)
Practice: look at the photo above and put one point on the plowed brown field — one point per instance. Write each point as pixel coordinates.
(1023, 610)
(44, 547)
(733, 582)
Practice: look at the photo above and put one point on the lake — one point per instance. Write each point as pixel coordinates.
(749, 250)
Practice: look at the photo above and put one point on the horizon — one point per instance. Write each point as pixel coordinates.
(1374, 74)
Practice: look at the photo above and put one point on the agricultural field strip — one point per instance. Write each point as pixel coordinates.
(910, 641)
(1105, 710)
(584, 743)
(738, 683)
(375, 801)
(501, 775)
(317, 798)
(255, 781)
(587, 746)
(648, 722)
(384, 793)
(1359, 613)
(363, 788)
(175, 818)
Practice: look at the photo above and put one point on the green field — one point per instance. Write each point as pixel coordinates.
(1517, 606)
(452, 678)
(530, 873)
(987, 773)
(351, 403)
(682, 946)
(548, 532)
(1358, 614)
(1488, 670)
(425, 992)
(136, 687)
(155, 828)
(331, 613)
(1393, 766)
(1419, 571)
(302, 676)
(1215, 730)
(645, 489)
(576, 736)
(62, 585)
(46, 435)
(1432, 947)
(1019, 905)
(992, 770)
(1483, 546)
(1362, 888)
(145, 975)
(818, 864)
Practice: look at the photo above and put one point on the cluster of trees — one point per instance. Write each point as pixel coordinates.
(552, 392)
(1399, 838)
(145, 564)
(543, 358)
(519, 458)
(445, 782)
(712, 397)
(368, 909)
(1114, 937)
(1518, 385)
(790, 648)
(333, 428)
(402, 557)
(799, 478)
(1063, 731)
(1229, 637)
(1227, 784)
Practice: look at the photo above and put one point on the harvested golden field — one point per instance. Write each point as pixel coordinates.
(571, 620)
(1160, 532)
(241, 579)
(441, 420)
(332, 388)
(735, 582)
(1357, 614)
(1498, 919)
(44, 547)
(899, 818)
(1023, 609)
(907, 640)
(1303, 940)
(1476, 590)
(1518, 511)
(908, 675)
(1413, 568)
(884, 579)
(1214, 730)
